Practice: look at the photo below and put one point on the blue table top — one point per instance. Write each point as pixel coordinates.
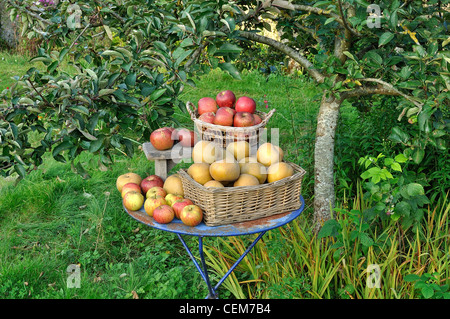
(236, 229)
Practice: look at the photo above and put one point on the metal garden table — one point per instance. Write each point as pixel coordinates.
(259, 226)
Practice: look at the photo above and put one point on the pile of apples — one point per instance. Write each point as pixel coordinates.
(162, 200)
(234, 166)
(225, 110)
(165, 138)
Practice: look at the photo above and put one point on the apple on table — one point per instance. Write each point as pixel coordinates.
(151, 181)
(191, 215)
(133, 200)
(163, 214)
(130, 187)
(152, 203)
(127, 178)
(155, 192)
(179, 205)
(172, 198)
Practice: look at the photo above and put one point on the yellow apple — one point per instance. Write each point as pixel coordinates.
(213, 183)
(278, 171)
(250, 159)
(130, 187)
(200, 172)
(151, 204)
(268, 154)
(127, 178)
(204, 152)
(224, 154)
(172, 198)
(256, 169)
(133, 200)
(173, 185)
(246, 180)
(239, 149)
(225, 171)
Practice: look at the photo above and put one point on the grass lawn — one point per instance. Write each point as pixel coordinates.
(53, 218)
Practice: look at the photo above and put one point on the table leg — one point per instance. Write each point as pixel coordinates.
(203, 269)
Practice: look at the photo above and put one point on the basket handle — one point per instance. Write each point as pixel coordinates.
(191, 109)
(266, 119)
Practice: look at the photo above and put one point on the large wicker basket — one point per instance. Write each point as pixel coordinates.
(228, 205)
(223, 135)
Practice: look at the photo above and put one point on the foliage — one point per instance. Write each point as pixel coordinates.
(395, 192)
(429, 287)
(128, 63)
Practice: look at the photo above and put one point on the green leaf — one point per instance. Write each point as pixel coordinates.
(411, 278)
(227, 48)
(156, 94)
(385, 38)
(401, 158)
(427, 292)
(61, 147)
(231, 69)
(403, 208)
(130, 80)
(63, 53)
(328, 228)
(398, 135)
(396, 167)
(20, 170)
(414, 189)
(365, 239)
(418, 155)
(97, 144)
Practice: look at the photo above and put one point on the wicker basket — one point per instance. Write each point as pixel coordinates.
(223, 135)
(228, 205)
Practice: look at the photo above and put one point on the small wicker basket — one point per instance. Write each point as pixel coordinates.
(223, 135)
(228, 205)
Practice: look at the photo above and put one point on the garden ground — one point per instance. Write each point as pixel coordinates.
(54, 218)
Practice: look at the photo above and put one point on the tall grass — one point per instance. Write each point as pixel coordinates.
(292, 262)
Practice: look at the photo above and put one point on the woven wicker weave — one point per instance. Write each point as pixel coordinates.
(223, 135)
(228, 205)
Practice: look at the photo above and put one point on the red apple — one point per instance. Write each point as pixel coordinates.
(163, 214)
(206, 104)
(151, 204)
(156, 191)
(257, 119)
(243, 119)
(133, 200)
(224, 116)
(207, 117)
(245, 104)
(191, 215)
(161, 138)
(130, 187)
(187, 137)
(172, 198)
(151, 181)
(226, 98)
(179, 205)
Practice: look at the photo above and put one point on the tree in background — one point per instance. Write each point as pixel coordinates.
(132, 58)
(7, 30)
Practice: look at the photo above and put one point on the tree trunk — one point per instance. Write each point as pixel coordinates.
(7, 28)
(324, 195)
